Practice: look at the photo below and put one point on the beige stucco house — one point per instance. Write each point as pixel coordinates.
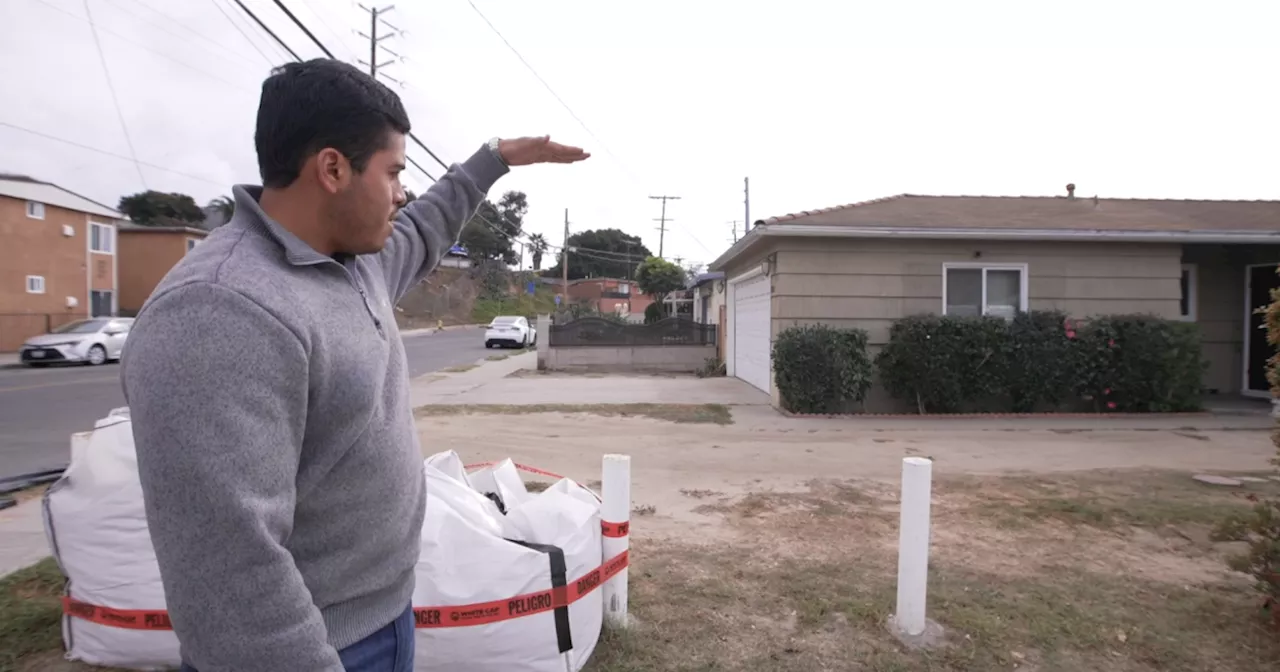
(866, 264)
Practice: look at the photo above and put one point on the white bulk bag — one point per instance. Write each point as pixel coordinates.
(97, 528)
(470, 556)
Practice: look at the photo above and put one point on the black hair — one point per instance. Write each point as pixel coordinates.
(306, 107)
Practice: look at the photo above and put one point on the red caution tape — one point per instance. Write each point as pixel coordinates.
(521, 467)
(615, 530)
(483, 613)
(424, 617)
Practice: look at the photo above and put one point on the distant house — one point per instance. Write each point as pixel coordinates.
(867, 264)
(59, 258)
(610, 295)
(147, 253)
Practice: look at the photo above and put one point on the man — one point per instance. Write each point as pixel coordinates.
(269, 390)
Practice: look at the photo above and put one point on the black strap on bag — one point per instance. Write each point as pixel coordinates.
(559, 579)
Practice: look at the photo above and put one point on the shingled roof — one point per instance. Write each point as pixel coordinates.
(1037, 212)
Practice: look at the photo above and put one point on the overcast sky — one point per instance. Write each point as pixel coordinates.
(819, 102)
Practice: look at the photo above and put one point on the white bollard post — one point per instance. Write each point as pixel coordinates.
(615, 509)
(913, 545)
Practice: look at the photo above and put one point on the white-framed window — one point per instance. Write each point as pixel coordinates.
(624, 288)
(191, 243)
(35, 210)
(1188, 296)
(984, 289)
(35, 284)
(102, 238)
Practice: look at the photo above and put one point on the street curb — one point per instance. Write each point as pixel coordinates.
(431, 330)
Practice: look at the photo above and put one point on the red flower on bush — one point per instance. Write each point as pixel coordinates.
(1071, 334)
(1107, 391)
(1111, 405)
(1111, 343)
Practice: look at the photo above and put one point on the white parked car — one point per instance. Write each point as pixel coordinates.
(510, 332)
(94, 341)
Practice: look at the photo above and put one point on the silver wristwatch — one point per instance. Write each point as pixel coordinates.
(494, 146)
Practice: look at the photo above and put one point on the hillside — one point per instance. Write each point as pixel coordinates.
(453, 295)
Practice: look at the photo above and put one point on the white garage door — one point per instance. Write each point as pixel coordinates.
(751, 331)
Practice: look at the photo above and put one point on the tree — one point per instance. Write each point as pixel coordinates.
(606, 253)
(659, 277)
(155, 208)
(492, 239)
(537, 246)
(218, 212)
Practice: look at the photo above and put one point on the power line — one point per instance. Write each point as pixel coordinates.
(93, 28)
(303, 26)
(179, 24)
(143, 47)
(240, 30)
(550, 90)
(111, 154)
(568, 109)
(330, 28)
(270, 32)
(412, 136)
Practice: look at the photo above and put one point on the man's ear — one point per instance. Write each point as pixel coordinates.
(333, 170)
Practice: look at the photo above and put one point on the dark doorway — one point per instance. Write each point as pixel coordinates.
(1261, 280)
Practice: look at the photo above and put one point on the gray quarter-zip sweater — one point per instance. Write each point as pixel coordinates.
(280, 468)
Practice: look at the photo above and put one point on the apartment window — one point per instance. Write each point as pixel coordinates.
(624, 288)
(1187, 297)
(35, 210)
(191, 244)
(102, 238)
(35, 284)
(984, 289)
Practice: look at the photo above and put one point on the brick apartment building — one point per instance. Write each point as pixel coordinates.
(610, 295)
(146, 254)
(59, 258)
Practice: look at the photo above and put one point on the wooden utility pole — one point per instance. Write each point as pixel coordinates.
(662, 226)
(375, 41)
(564, 264)
(746, 203)
(733, 229)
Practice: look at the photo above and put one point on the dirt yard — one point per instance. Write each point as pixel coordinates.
(759, 549)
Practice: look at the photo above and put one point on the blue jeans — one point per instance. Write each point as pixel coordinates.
(387, 650)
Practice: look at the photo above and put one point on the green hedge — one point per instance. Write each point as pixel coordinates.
(819, 369)
(1043, 361)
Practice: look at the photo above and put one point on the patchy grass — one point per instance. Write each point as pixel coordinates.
(679, 413)
(806, 583)
(536, 486)
(644, 510)
(460, 368)
(1109, 500)
(30, 613)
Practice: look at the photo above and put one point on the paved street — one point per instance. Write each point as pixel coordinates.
(41, 408)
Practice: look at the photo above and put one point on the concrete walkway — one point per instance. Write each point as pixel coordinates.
(513, 381)
(22, 540)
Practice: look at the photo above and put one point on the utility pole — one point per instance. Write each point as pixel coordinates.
(564, 264)
(746, 202)
(662, 226)
(375, 41)
(733, 229)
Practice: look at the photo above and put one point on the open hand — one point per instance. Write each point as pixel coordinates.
(528, 151)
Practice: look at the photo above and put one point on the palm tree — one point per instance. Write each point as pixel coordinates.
(537, 245)
(225, 206)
